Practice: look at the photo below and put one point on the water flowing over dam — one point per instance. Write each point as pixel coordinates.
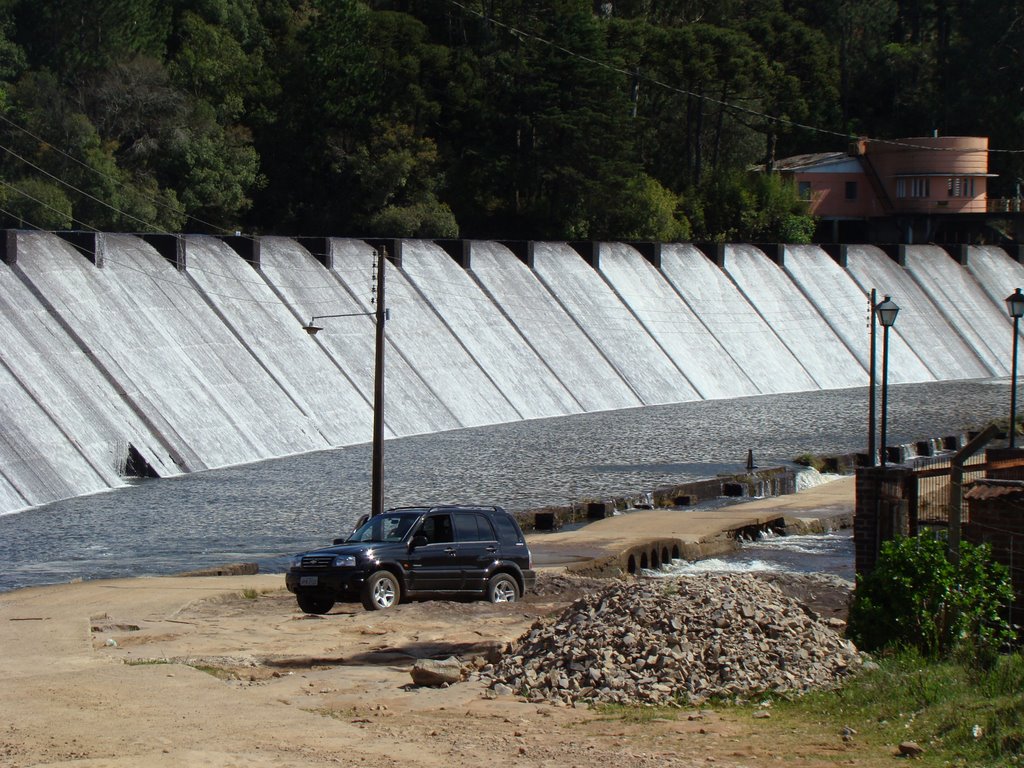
(164, 355)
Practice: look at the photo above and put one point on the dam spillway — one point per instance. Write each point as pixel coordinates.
(130, 354)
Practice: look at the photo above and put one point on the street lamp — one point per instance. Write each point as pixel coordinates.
(381, 314)
(872, 450)
(1015, 306)
(313, 329)
(886, 311)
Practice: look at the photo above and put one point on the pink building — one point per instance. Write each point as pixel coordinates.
(908, 189)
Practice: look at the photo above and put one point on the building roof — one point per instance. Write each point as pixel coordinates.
(985, 489)
(811, 160)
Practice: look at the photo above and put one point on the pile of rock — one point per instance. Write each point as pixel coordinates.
(685, 640)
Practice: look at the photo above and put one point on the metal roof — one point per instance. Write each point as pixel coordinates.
(811, 160)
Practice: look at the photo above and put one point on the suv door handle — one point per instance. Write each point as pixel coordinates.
(492, 549)
(450, 551)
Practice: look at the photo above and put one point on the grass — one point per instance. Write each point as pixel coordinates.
(250, 593)
(338, 714)
(812, 460)
(961, 715)
(219, 672)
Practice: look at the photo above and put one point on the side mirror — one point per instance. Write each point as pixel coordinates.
(339, 541)
(419, 540)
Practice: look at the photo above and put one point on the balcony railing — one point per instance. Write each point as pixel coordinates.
(1005, 205)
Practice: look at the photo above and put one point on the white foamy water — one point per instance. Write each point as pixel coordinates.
(830, 553)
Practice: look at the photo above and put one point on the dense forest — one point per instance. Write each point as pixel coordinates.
(618, 119)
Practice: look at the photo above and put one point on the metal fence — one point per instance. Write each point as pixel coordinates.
(929, 496)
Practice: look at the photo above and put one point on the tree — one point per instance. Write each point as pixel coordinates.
(800, 84)
(549, 144)
(751, 207)
(860, 30)
(645, 210)
(36, 203)
(688, 129)
(399, 176)
(76, 38)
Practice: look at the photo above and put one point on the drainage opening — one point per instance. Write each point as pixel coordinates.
(137, 466)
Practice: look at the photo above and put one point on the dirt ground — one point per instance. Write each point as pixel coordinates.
(225, 672)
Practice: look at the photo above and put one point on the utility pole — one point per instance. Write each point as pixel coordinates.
(378, 390)
(381, 316)
(872, 451)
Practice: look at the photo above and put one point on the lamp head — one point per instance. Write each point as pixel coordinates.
(312, 329)
(887, 311)
(1015, 304)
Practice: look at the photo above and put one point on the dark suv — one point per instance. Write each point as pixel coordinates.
(413, 552)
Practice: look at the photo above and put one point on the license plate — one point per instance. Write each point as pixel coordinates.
(307, 581)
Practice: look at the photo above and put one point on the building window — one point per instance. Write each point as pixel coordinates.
(960, 186)
(803, 189)
(851, 190)
(915, 186)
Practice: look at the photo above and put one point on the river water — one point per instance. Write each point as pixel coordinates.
(265, 512)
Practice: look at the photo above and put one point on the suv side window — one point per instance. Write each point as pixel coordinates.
(508, 531)
(437, 529)
(472, 526)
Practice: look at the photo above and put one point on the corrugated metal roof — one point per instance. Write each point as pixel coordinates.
(798, 162)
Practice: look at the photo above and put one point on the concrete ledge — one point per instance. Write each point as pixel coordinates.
(231, 569)
(820, 524)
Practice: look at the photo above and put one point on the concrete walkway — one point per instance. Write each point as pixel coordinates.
(646, 538)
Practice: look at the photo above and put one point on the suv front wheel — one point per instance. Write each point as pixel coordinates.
(381, 591)
(314, 603)
(502, 588)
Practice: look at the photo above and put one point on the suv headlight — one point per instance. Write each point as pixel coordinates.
(297, 561)
(344, 561)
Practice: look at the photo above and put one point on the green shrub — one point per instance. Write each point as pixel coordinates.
(915, 597)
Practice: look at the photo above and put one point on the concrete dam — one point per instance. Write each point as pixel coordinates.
(160, 355)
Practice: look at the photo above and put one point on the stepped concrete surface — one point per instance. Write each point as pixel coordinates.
(645, 538)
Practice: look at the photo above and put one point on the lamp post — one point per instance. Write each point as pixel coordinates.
(1015, 306)
(872, 450)
(886, 311)
(381, 314)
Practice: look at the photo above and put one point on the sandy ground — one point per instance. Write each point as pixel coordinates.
(226, 672)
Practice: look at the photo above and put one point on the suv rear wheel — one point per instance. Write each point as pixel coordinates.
(314, 603)
(502, 588)
(381, 591)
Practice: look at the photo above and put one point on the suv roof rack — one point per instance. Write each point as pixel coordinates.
(432, 507)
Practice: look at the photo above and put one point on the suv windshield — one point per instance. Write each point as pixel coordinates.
(390, 526)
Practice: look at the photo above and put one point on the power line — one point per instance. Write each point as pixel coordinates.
(67, 184)
(634, 74)
(44, 204)
(156, 201)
